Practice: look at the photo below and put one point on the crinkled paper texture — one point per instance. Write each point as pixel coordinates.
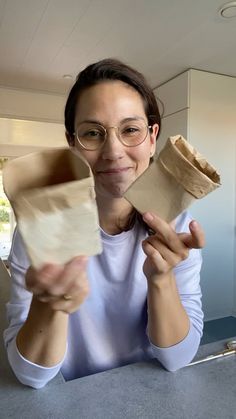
(178, 177)
(55, 205)
(61, 235)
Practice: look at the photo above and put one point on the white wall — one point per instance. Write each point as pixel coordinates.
(31, 105)
(212, 129)
(202, 107)
(174, 96)
(171, 125)
(29, 121)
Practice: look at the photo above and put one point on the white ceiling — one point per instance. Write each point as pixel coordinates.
(40, 40)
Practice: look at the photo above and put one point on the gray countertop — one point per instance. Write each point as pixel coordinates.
(142, 390)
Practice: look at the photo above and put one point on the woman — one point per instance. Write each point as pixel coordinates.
(140, 298)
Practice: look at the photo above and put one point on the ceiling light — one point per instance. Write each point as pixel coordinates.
(228, 10)
(67, 76)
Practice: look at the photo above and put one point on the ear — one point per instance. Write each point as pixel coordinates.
(153, 136)
(70, 139)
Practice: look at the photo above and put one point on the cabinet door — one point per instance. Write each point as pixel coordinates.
(174, 124)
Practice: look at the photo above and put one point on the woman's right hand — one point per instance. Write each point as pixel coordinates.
(62, 287)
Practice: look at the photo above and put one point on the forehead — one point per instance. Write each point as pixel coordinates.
(109, 100)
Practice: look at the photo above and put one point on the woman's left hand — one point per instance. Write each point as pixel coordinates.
(166, 248)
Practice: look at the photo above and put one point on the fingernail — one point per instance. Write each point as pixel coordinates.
(194, 224)
(147, 216)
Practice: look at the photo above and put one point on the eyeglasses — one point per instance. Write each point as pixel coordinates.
(92, 136)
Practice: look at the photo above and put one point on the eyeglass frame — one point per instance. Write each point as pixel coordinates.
(149, 127)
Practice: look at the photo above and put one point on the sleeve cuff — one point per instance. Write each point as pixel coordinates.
(27, 372)
(179, 355)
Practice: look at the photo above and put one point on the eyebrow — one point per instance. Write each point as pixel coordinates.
(129, 119)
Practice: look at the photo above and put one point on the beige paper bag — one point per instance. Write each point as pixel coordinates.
(173, 181)
(52, 194)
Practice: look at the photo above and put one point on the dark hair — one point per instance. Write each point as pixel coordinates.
(110, 69)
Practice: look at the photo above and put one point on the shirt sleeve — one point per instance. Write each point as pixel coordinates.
(187, 275)
(17, 309)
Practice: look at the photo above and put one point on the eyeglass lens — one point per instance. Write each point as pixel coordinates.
(92, 136)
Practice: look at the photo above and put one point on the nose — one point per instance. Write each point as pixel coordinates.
(112, 149)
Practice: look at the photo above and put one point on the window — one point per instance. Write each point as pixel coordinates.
(7, 219)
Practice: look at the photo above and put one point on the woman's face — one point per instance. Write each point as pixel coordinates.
(115, 166)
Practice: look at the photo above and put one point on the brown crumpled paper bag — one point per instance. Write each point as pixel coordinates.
(173, 181)
(53, 198)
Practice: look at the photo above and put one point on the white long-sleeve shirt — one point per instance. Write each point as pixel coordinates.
(109, 328)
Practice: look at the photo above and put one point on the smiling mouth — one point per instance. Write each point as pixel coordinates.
(114, 171)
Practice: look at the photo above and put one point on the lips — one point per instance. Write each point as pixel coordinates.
(114, 170)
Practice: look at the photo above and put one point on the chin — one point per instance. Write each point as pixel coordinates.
(116, 191)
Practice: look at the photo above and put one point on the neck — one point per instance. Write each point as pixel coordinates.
(114, 215)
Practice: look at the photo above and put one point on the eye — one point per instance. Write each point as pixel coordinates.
(130, 130)
(93, 133)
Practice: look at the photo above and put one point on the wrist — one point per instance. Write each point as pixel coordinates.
(42, 338)
(161, 281)
(43, 313)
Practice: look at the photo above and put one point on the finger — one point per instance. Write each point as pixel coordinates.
(45, 297)
(172, 258)
(78, 293)
(197, 233)
(53, 279)
(164, 231)
(173, 224)
(154, 256)
(37, 281)
(65, 281)
(196, 238)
